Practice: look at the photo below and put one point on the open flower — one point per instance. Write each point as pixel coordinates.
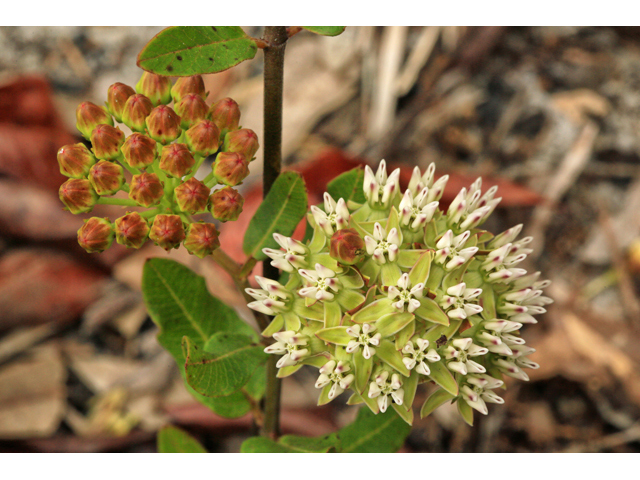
(477, 391)
(271, 299)
(293, 256)
(460, 351)
(335, 216)
(363, 338)
(403, 294)
(319, 283)
(496, 338)
(292, 344)
(418, 182)
(383, 388)
(415, 212)
(450, 250)
(458, 297)
(335, 374)
(416, 355)
(383, 247)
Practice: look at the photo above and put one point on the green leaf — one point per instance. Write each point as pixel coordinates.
(348, 186)
(406, 415)
(362, 367)
(184, 51)
(387, 352)
(487, 301)
(390, 273)
(430, 311)
(332, 314)
(393, 323)
(442, 376)
(224, 365)
(465, 410)
(372, 312)
(337, 335)
(420, 271)
(370, 433)
(290, 444)
(328, 31)
(280, 212)
(175, 440)
(180, 305)
(437, 398)
(410, 386)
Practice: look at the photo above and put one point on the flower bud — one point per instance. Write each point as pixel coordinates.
(78, 195)
(163, 124)
(188, 85)
(89, 116)
(167, 231)
(106, 141)
(139, 150)
(132, 230)
(192, 108)
(75, 160)
(136, 110)
(176, 160)
(106, 177)
(226, 204)
(146, 189)
(96, 235)
(203, 138)
(202, 239)
(117, 96)
(155, 87)
(230, 168)
(347, 246)
(225, 114)
(192, 196)
(244, 141)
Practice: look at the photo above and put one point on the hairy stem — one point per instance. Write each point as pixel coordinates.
(276, 40)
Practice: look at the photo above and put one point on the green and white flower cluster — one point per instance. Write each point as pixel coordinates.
(396, 291)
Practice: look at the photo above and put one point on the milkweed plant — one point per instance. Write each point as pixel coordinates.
(389, 289)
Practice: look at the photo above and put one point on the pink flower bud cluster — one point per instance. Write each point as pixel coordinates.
(154, 167)
(397, 291)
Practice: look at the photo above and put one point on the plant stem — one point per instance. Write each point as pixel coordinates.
(276, 40)
(125, 202)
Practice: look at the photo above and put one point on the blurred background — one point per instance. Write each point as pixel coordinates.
(550, 115)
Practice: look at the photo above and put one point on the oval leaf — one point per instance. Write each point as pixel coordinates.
(362, 367)
(430, 311)
(442, 376)
(406, 415)
(387, 352)
(327, 31)
(175, 440)
(371, 433)
(184, 51)
(465, 410)
(372, 312)
(393, 323)
(337, 335)
(348, 186)
(224, 365)
(437, 398)
(280, 212)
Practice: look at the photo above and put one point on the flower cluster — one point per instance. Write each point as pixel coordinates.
(396, 291)
(155, 165)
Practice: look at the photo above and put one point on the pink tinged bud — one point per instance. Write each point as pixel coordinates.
(192, 108)
(117, 96)
(347, 246)
(89, 116)
(155, 87)
(75, 161)
(163, 124)
(202, 239)
(176, 160)
(230, 168)
(106, 177)
(106, 141)
(136, 110)
(96, 235)
(188, 86)
(225, 114)
(243, 141)
(132, 230)
(192, 196)
(167, 231)
(203, 138)
(226, 204)
(139, 150)
(78, 195)
(146, 189)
